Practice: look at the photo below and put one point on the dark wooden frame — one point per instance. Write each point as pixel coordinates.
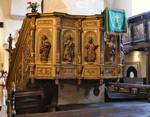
(125, 39)
(148, 29)
(1, 24)
(138, 32)
(135, 21)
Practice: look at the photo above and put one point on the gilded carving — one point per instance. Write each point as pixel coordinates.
(119, 70)
(45, 47)
(57, 70)
(90, 47)
(44, 22)
(32, 24)
(109, 71)
(90, 23)
(91, 72)
(42, 71)
(67, 22)
(68, 72)
(110, 50)
(61, 46)
(79, 70)
(19, 74)
(102, 71)
(90, 51)
(79, 57)
(68, 48)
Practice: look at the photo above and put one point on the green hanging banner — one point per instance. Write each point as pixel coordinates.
(115, 21)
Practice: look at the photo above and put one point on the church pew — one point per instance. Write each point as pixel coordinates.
(129, 86)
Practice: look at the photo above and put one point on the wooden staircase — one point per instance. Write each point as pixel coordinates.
(29, 101)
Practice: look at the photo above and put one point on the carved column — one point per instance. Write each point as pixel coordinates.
(58, 49)
(100, 40)
(79, 54)
(119, 56)
(32, 35)
(58, 41)
(79, 41)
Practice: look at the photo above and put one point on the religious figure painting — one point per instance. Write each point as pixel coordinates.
(110, 48)
(90, 49)
(125, 39)
(138, 32)
(68, 48)
(45, 47)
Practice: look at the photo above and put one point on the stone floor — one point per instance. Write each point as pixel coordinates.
(115, 109)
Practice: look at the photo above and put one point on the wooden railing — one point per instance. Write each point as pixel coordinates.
(21, 102)
(11, 111)
(21, 57)
(29, 101)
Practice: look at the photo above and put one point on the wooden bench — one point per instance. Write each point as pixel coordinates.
(129, 86)
(30, 93)
(29, 101)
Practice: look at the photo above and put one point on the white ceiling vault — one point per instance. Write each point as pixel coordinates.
(80, 7)
(19, 7)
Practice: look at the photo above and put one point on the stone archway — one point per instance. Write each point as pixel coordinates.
(131, 72)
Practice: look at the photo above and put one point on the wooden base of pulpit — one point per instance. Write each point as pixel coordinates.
(86, 93)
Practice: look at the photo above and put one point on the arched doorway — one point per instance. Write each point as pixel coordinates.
(131, 72)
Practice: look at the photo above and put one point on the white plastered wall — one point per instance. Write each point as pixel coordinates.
(79, 7)
(140, 6)
(1, 40)
(11, 24)
(123, 4)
